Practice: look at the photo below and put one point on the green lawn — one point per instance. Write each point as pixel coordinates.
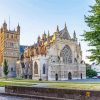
(75, 85)
(14, 83)
(51, 84)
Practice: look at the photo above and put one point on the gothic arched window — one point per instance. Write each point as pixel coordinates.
(66, 54)
(35, 68)
(44, 68)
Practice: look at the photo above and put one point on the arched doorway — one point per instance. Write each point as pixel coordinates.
(69, 76)
(81, 75)
(56, 77)
(44, 69)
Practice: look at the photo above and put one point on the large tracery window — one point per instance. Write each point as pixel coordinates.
(35, 68)
(66, 54)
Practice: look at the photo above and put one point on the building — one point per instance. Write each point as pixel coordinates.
(9, 48)
(55, 57)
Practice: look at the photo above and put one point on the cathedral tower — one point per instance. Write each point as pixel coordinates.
(9, 47)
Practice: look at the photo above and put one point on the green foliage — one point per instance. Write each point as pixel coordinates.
(93, 36)
(90, 73)
(5, 68)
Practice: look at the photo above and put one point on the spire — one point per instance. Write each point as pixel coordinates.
(65, 26)
(18, 25)
(65, 33)
(48, 38)
(4, 26)
(44, 32)
(79, 45)
(18, 28)
(57, 28)
(74, 36)
(34, 45)
(39, 38)
(48, 33)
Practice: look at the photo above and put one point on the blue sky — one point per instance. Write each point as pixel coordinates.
(35, 16)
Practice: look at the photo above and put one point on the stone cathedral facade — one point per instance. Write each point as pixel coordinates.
(53, 57)
(9, 48)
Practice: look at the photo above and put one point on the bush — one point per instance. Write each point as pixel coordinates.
(91, 73)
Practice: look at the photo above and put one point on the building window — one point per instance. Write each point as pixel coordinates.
(44, 69)
(12, 36)
(66, 54)
(7, 35)
(35, 68)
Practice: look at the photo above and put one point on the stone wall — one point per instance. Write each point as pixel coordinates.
(55, 92)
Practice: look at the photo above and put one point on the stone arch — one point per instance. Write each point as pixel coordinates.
(69, 76)
(44, 69)
(66, 54)
(56, 77)
(35, 68)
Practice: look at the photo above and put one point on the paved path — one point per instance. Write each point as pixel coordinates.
(40, 85)
(2, 90)
(83, 80)
(19, 98)
(15, 98)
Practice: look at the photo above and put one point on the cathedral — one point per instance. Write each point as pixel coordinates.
(53, 57)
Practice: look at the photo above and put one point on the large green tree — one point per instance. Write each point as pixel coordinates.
(93, 35)
(5, 68)
(90, 73)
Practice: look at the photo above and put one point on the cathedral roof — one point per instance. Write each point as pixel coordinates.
(64, 33)
(47, 40)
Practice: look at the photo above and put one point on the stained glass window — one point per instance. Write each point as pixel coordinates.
(66, 54)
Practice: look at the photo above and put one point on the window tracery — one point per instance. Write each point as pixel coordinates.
(66, 54)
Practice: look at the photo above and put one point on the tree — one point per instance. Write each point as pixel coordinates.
(93, 36)
(5, 68)
(90, 73)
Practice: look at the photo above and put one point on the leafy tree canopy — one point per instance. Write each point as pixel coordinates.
(93, 36)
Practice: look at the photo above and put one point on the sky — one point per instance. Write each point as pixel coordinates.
(35, 16)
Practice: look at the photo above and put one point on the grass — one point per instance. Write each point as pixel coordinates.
(75, 85)
(14, 83)
(25, 80)
(51, 84)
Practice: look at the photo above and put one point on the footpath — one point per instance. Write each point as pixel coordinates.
(2, 89)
